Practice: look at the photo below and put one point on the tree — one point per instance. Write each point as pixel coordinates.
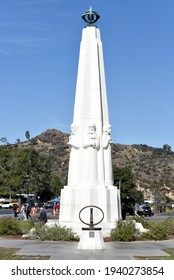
(27, 135)
(125, 178)
(167, 148)
(56, 185)
(6, 166)
(159, 191)
(3, 140)
(23, 171)
(34, 171)
(18, 141)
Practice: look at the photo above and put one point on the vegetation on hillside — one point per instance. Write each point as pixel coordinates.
(26, 171)
(151, 168)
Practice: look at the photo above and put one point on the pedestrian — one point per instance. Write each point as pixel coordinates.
(123, 211)
(16, 211)
(28, 210)
(43, 216)
(57, 207)
(136, 210)
(23, 212)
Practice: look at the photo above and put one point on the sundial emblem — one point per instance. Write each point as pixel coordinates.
(91, 217)
(90, 17)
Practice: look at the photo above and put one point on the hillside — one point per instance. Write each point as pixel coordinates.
(52, 143)
(148, 164)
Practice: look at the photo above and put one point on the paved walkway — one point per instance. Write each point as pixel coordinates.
(58, 250)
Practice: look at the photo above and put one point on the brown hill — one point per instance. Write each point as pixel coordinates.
(148, 164)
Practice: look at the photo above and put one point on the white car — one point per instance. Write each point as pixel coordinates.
(6, 205)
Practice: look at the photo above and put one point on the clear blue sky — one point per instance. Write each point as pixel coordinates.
(39, 48)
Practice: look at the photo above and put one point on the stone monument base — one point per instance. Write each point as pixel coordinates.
(74, 199)
(91, 240)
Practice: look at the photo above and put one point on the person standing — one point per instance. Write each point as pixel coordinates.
(16, 211)
(123, 211)
(57, 208)
(23, 212)
(28, 210)
(136, 210)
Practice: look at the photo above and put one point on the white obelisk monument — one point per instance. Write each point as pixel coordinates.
(90, 180)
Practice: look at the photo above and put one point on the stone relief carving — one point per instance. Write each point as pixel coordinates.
(91, 145)
(73, 139)
(74, 144)
(92, 139)
(107, 140)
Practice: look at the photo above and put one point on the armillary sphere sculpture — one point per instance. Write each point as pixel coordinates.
(90, 16)
(91, 223)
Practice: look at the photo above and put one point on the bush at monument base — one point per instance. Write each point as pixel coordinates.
(9, 226)
(124, 231)
(54, 233)
(157, 230)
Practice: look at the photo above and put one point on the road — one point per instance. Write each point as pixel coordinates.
(10, 213)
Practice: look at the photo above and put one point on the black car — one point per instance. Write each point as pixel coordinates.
(48, 205)
(145, 211)
(40, 204)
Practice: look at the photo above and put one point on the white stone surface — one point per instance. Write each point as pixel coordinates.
(90, 180)
(140, 227)
(91, 240)
(52, 223)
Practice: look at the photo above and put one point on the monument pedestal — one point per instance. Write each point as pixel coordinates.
(91, 240)
(74, 199)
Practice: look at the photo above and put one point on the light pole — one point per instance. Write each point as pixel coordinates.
(38, 200)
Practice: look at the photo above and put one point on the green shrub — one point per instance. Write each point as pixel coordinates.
(169, 224)
(157, 231)
(141, 220)
(54, 233)
(169, 207)
(8, 226)
(26, 225)
(124, 231)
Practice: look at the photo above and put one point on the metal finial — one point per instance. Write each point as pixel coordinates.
(90, 16)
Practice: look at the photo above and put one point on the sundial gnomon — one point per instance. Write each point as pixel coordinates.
(91, 216)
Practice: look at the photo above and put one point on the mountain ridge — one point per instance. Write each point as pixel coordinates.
(148, 164)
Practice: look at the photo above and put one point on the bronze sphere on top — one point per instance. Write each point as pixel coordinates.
(90, 17)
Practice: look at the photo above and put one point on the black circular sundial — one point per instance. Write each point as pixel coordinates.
(91, 221)
(90, 17)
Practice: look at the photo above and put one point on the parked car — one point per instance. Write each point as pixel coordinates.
(145, 210)
(40, 204)
(14, 203)
(48, 205)
(6, 205)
